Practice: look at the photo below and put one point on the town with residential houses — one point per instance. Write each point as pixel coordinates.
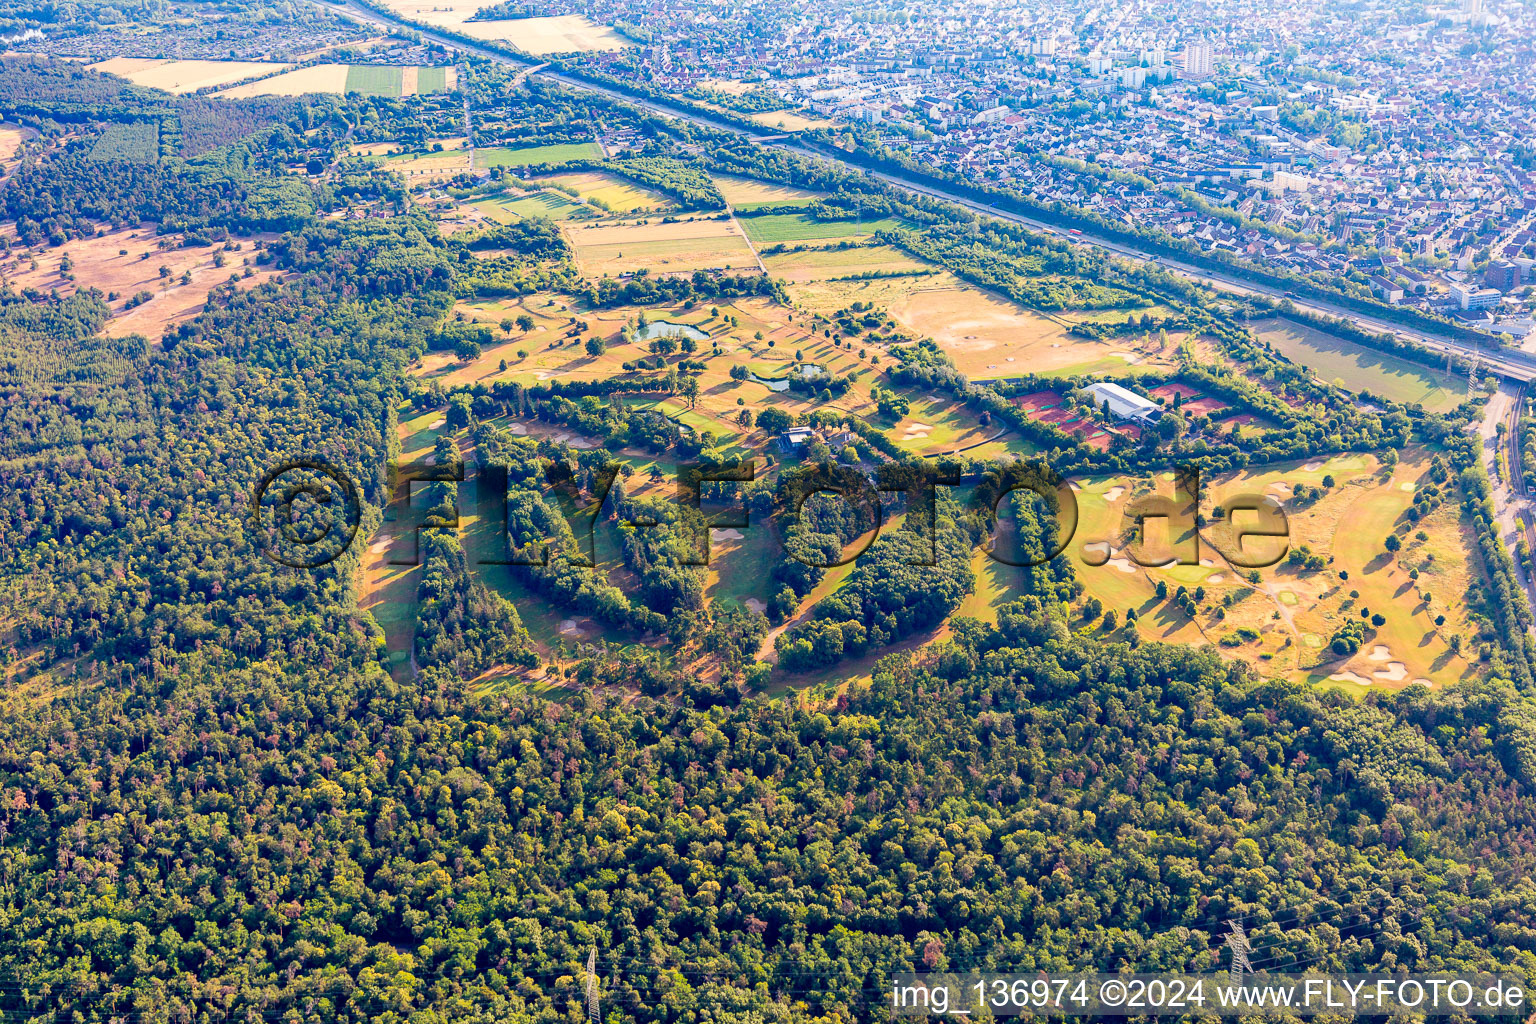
(1387, 146)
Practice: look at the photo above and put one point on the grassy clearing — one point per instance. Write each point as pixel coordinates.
(501, 156)
(1282, 621)
(784, 331)
(790, 121)
(825, 264)
(771, 228)
(372, 80)
(1361, 369)
(126, 263)
(551, 205)
(682, 246)
(429, 165)
(11, 138)
(436, 80)
(615, 194)
(319, 78)
(990, 337)
(987, 336)
(744, 193)
(741, 566)
(184, 76)
(569, 33)
(938, 424)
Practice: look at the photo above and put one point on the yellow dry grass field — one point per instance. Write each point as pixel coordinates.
(449, 145)
(568, 33)
(729, 86)
(184, 76)
(331, 78)
(1282, 622)
(749, 192)
(530, 359)
(614, 193)
(826, 264)
(680, 247)
(431, 166)
(102, 263)
(11, 138)
(790, 121)
(989, 336)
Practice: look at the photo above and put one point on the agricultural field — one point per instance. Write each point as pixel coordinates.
(745, 193)
(680, 247)
(509, 208)
(432, 166)
(184, 76)
(1357, 368)
(376, 80)
(318, 78)
(399, 151)
(338, 79)
(435, 80)
(828, 264)
(1283, 622)
(126, 263)
(775, 228)
(612, 193)
(136, 143)
(570, 33)
(501, 156)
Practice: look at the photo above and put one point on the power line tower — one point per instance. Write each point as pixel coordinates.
(1237, 943)
(593, 1017)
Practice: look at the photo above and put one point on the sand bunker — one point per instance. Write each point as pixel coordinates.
(1421, 681)
(1216, 577)
(1395, 672)
(1114, 493)
(1380, 653)
(569, 628)
(1116, 559)
(1350, 677)
(729, 533)
(1312, 467)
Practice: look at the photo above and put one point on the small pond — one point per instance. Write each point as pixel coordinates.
(666, 329)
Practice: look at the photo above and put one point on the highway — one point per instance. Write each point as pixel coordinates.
(1512, 364)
